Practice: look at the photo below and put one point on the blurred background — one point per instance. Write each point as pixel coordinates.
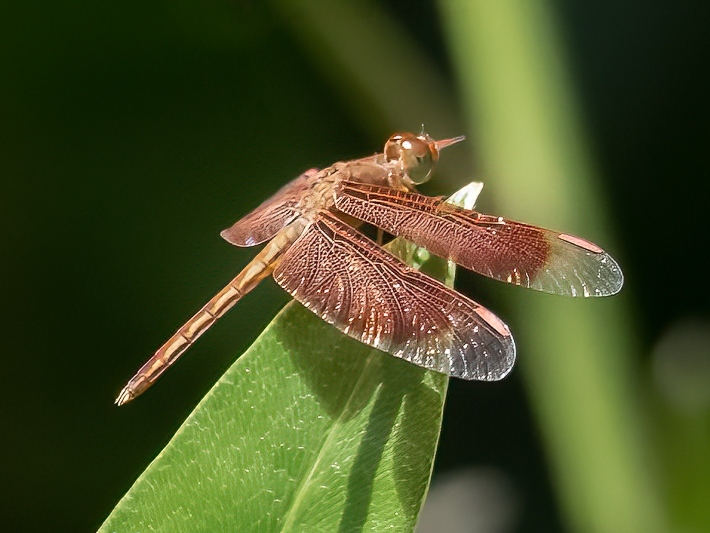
(131, 133)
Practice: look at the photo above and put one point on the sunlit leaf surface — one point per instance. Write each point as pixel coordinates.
(308, 431)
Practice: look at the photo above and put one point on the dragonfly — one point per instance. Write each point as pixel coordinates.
(316, 252)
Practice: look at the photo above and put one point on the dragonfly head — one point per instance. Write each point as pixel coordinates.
(417, 154)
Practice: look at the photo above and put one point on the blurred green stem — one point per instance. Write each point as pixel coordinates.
(578, 355)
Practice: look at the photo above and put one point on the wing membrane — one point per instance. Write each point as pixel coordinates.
(350, 282)
(271, 216)
(502, 249)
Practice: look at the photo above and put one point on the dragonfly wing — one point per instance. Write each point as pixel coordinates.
(502, 249)
(350, 282)
(271, 216)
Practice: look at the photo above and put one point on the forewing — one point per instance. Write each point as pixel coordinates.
(350, 282)
(271, 216)
(502, 249)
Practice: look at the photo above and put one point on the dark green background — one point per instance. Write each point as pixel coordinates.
(131, 133)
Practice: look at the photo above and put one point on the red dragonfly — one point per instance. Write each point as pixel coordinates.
(314, 252)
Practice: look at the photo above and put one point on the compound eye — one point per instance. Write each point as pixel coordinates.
(417, 155)
(418, 158)
(393, 147)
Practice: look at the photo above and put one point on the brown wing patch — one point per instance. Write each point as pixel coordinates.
(502, 249)
(271, 216)
(350, 282)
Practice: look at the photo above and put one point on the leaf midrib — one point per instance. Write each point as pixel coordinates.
(302, 489)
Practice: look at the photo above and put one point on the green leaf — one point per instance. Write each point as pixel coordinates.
(308, 431)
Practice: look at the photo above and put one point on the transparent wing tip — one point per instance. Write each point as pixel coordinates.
(493, 363)
(617, 281)
(611, 278)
